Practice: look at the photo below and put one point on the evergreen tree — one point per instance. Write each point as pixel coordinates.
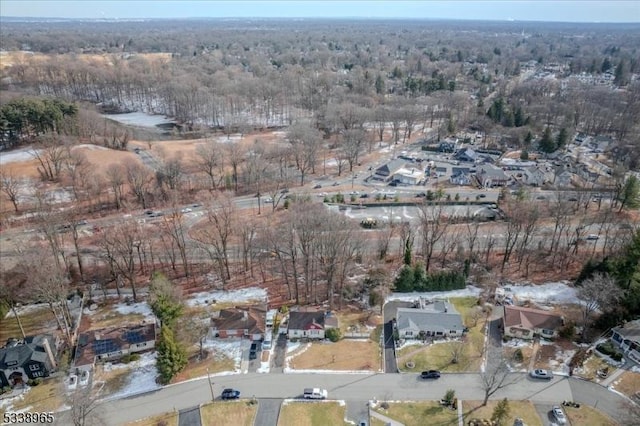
(606, 65)
(622, 74)
(518, 117)
(171, 358)
(379, 85)
(405, 280)
(630, 193)
(500, 412)
(528, 138)
(546, 143)
(561, 139)
(407, 252)
(524, 155)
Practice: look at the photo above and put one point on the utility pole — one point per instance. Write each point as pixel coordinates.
(213, 398)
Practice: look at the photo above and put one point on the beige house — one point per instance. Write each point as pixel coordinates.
(527, 323)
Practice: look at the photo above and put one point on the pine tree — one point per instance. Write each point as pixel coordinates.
(561, 140)
(500, 412)
(171, 358)
(546, 143)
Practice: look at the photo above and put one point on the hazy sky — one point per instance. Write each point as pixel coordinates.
(539, 10)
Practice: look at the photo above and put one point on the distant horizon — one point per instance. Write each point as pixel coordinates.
(549, 11)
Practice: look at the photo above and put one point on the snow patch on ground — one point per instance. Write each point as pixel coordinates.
(292, 346)
(516, 343)
(18, 155)
(91, 147)
(549, 293)
(140, 119)
(141, 308)
(410, 297)
(231, 348)
(23, 310)
(142, 377)
(242, 295)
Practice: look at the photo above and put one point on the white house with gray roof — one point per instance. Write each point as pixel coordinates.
(437, 319)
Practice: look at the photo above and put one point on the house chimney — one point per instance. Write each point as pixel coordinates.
(47, 349)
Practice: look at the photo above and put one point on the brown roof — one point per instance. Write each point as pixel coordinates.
(529, 318)
(250, 318)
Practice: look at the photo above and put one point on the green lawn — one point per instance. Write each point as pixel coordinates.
(312, 414)
(420, 413)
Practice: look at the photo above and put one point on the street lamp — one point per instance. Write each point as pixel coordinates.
(213, 398)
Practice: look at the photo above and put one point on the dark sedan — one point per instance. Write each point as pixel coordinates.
(230, 394)
(431, 374)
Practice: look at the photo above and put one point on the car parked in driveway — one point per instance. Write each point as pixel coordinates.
(541, 374)
(430, 374)
(558, 415)
(230, 394)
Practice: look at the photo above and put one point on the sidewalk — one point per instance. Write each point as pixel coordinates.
(619, 372)
(385, 419)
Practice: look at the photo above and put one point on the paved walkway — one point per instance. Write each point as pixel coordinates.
(388, 421)
(619, 372)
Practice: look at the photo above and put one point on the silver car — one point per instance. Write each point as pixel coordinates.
(541, 374)
(559, 415)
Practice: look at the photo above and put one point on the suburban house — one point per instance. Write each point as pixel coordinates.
(468, 155)
(33, 357)
(437, 319)
(385, 173)
(527, 323)
(489, 176)
(241, 321)
(447, 146)
(309, 325)
(628, 338)
(409, 176)
(460, 178)
(111, 344)
(536, 177)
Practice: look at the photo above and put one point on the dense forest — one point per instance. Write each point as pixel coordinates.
(511, 80)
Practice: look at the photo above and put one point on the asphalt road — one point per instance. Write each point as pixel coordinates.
(357, 387)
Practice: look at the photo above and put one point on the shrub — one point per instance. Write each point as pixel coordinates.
(568, 331)
(34, 382)
(449, 396)
(333, 334)
(517, 355)
(5, 389)
(616, 356)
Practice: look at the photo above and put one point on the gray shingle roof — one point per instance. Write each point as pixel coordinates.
(426, 319)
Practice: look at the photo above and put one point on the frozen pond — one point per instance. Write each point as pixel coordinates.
(140, 119)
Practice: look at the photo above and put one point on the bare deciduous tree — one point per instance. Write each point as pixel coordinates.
(597, 292)
(495, 377)
(11, 186)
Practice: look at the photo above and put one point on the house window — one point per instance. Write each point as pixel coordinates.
(547, 332)
(453, 332)
(34, 367)
(37, 374)
(439, 333)
(408, 333)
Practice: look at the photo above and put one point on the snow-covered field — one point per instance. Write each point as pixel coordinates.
(23, 154)
(410, 297)
(549, 293)
(140, 119)
(217, 296)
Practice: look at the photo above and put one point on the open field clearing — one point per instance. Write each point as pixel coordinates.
(586, 415)
(312, 414)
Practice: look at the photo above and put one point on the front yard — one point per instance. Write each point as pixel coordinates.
(35, 319)
(522, 409)
(629, 384)
(345, 355)
(440, 354)
(168, 419)
(420, 413)
(237, 413)
(311, 414)
(586, 415)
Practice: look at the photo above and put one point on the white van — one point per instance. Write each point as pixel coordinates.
(315, 393)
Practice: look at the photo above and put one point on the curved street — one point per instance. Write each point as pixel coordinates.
(355, 387)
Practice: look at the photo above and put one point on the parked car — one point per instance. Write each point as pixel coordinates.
(84, 378)
(72, 382)
(592, 237)
(318, 186)
(430, 374)
(268, 200)
(364, 196)
(230, 394)
(541, 374)
(559, 415)
(186, 210)
(315, 393)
